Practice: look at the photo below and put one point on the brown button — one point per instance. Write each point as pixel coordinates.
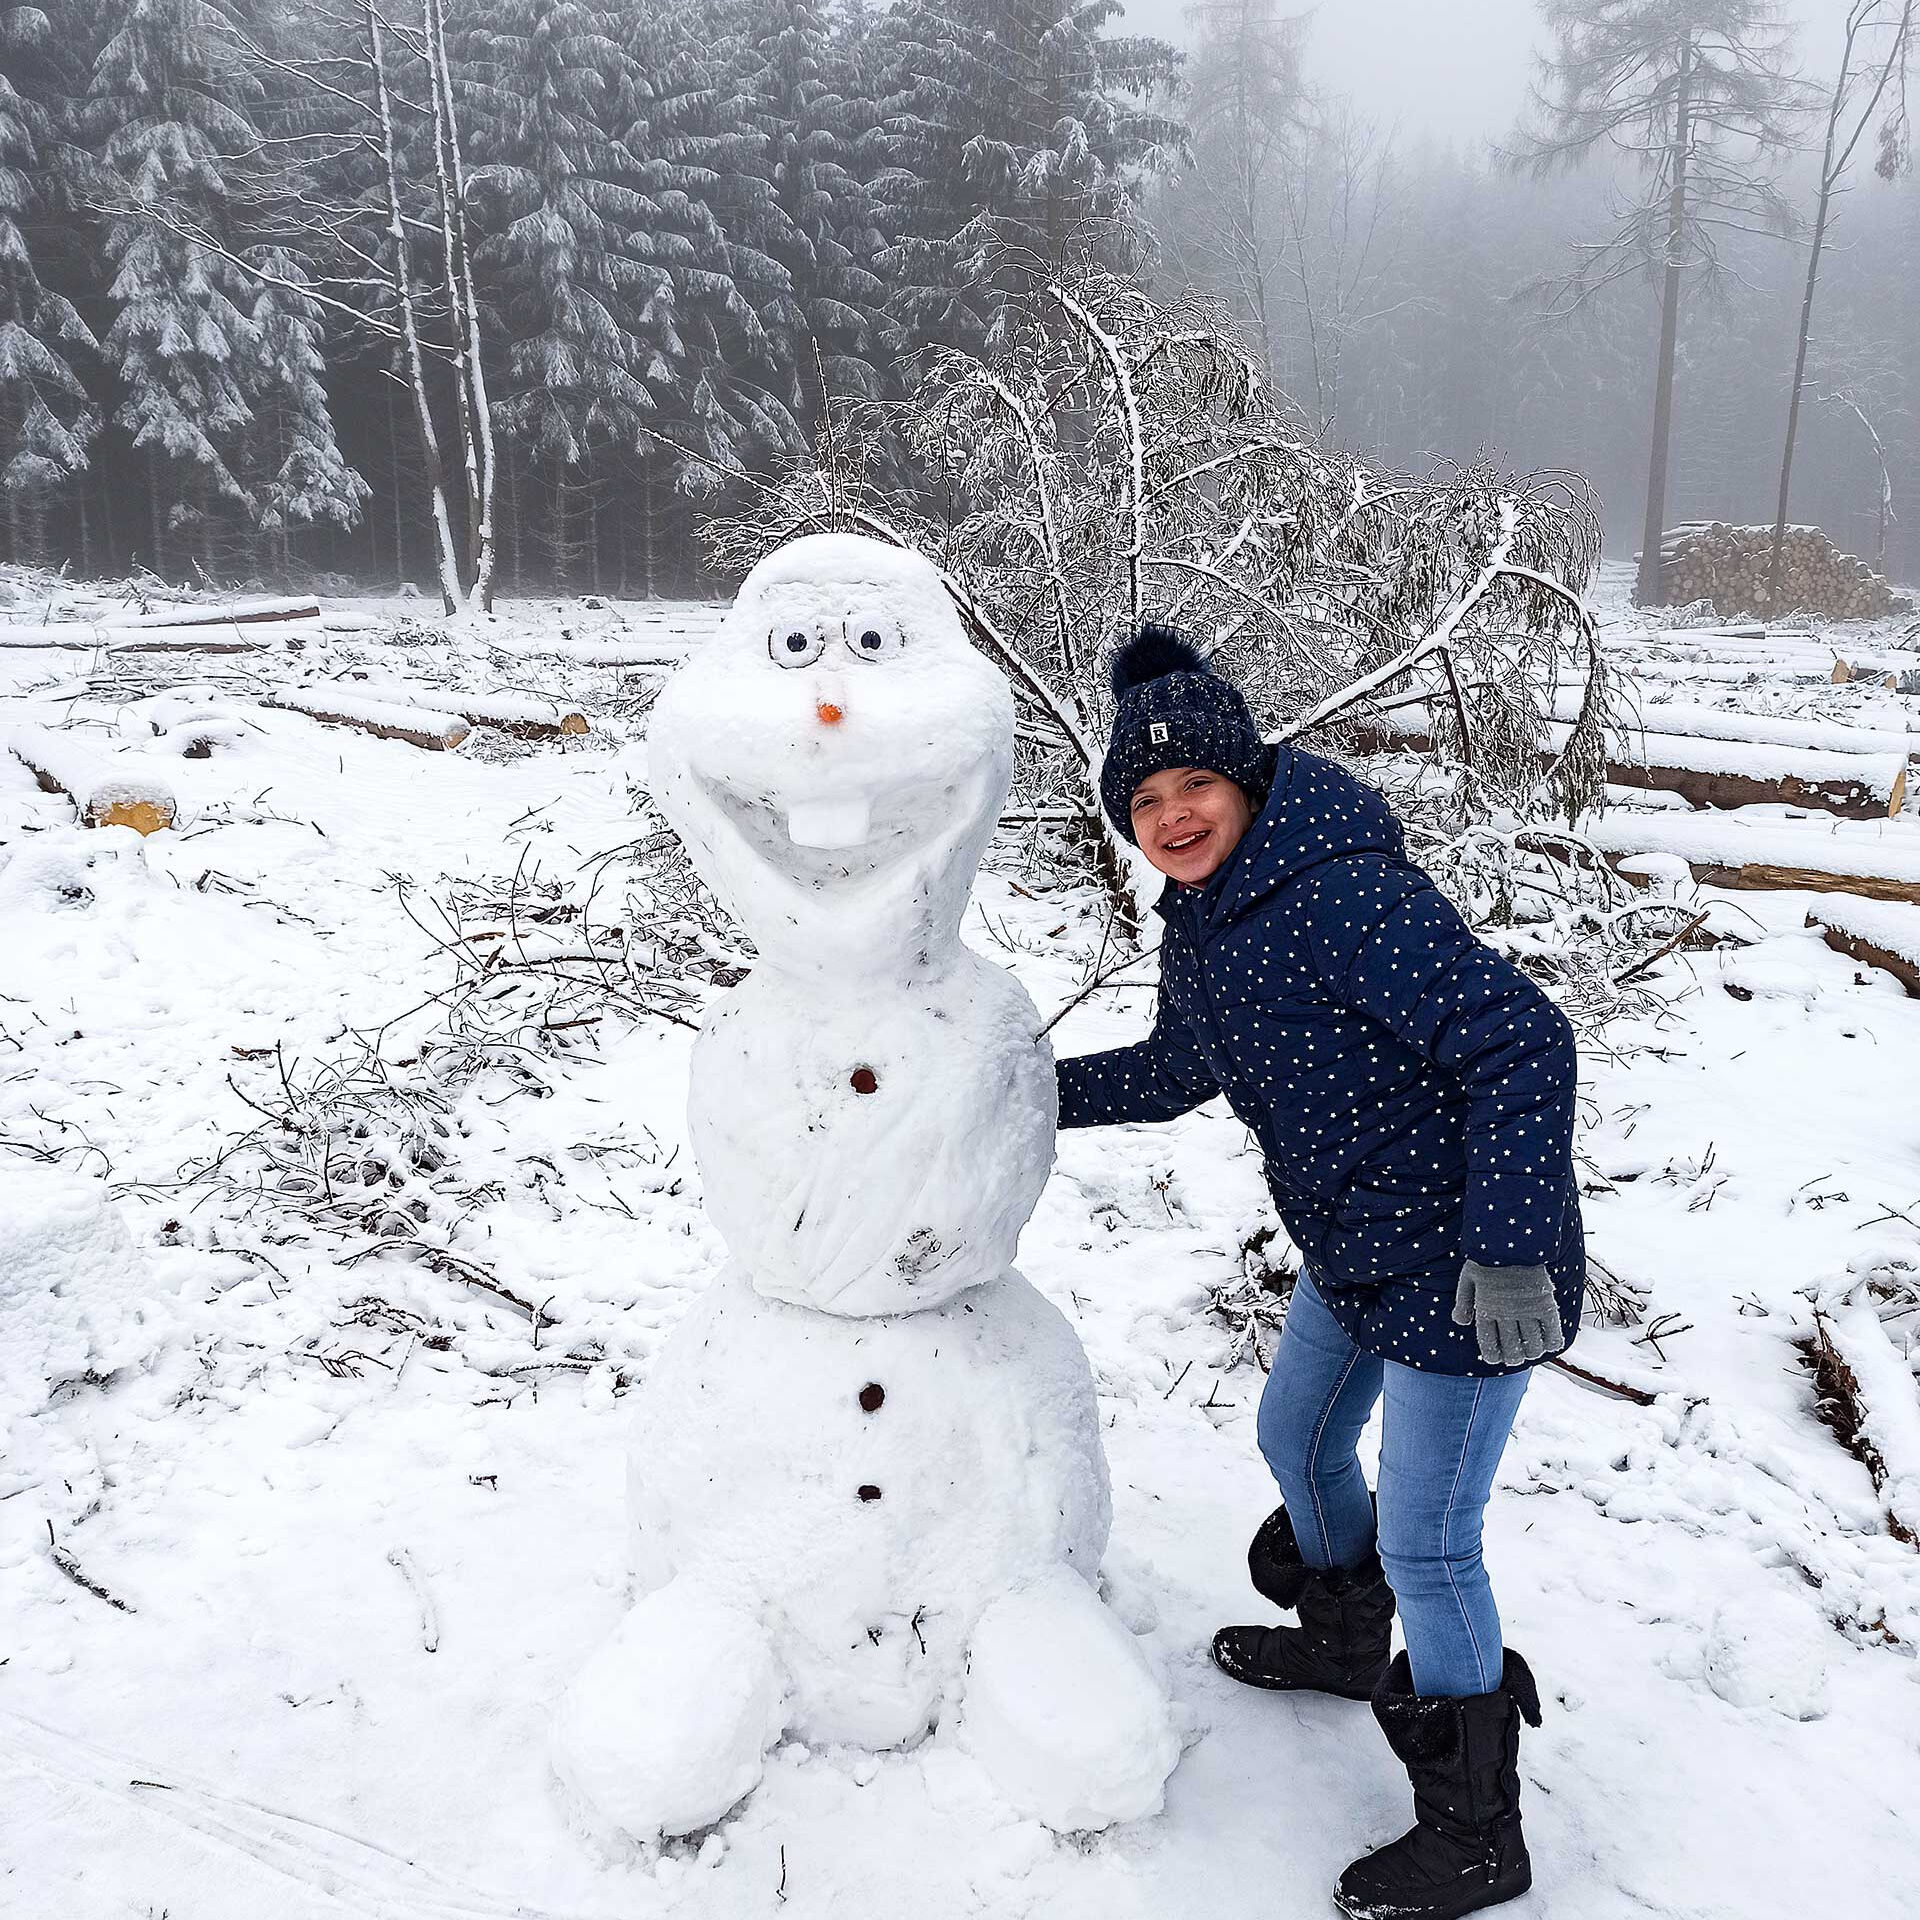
(865, 1080)
(869, 1493)
(871, 1396)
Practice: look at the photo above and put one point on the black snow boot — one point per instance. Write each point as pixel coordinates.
(1346, 1622)
(1465, 1851)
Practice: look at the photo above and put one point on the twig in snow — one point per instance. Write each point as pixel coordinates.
(1669, 1326)
(1660, 952)
(72, 1569)
(400, 1558)
(1601, 1384)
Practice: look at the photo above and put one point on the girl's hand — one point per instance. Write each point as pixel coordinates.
(1512, 1311)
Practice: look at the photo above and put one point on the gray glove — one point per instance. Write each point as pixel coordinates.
(1512, 1312)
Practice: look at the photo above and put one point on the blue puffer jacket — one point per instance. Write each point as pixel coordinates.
(1413, 1092)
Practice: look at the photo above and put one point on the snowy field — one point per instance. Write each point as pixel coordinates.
(296, 1560)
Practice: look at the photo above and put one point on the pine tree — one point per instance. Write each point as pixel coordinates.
(800, 87)
(164, 111)
(1018, 129)
(47, 417)
(701, 168)
(303, 479)
(563, 255)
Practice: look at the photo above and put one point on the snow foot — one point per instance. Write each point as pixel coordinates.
(667, 1727)
(1062, 1709)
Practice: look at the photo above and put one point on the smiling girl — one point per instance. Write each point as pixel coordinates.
(1412, 1094)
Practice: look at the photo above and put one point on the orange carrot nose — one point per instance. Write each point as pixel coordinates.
(830, 715)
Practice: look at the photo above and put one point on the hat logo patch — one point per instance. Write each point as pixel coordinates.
(1157, 732)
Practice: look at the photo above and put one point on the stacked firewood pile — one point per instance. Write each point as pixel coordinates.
(1727, 565)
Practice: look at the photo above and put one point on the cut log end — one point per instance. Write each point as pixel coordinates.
(143, 816)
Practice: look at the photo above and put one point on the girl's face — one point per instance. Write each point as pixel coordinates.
(1187, 820)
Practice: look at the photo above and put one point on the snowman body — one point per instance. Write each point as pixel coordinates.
(867, 1487)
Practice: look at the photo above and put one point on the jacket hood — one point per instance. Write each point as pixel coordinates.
(1315, 811)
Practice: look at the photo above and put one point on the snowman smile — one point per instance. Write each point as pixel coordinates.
(831, 839)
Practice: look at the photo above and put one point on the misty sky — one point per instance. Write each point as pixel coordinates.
(1457, 69)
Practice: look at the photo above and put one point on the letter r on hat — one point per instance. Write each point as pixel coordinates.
(1157, 732)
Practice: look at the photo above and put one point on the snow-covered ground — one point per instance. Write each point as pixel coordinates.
(285, 1602)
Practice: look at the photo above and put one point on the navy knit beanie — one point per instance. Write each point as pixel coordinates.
(1172, 710)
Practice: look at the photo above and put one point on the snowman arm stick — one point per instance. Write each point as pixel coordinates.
(1104, 978)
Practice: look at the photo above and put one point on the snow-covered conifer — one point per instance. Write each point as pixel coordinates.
(165, 108)
(1016, 132)
(700, 167)
(801, 87)
(47, 417)
(303, 478)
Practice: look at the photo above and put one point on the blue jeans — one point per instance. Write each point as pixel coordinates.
(1441, 1438)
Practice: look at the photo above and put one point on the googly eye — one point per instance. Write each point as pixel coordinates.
(795, 646)
(874, 639)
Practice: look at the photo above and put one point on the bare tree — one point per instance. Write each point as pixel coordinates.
(1246, 107)
(1876, 42)
(1125, 459)
(1339, 203)
(1699, 96)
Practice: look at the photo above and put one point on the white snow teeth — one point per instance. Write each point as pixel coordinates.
(844, 822)
(1180, 846)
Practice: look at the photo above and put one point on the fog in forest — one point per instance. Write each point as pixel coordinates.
(294, 292)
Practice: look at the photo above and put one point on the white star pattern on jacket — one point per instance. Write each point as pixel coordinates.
(1412, 1091)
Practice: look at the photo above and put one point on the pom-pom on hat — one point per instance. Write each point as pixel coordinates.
(1172, 710)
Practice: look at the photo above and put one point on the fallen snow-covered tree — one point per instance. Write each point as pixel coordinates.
(1125, 459)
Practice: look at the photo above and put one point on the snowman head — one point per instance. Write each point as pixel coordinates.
(836, 757)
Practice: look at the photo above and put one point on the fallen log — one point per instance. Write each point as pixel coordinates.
(518, 714)
(1722, 774)
(229, 637)
(1872, 1402)
(105, 788)
(1697, 770)
(1750, 857)
(242, 613)
(1722, 723)
(70, 635)
(436, 732)
(289, 635)
(1722, 673)
(1882, 677)
(1877, 933)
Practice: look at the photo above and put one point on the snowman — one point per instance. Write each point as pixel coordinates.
(867, 1491)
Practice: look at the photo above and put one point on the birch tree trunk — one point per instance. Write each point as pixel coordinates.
(476, 420)
(400, 264)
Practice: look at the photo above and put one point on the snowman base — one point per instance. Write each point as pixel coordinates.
(854, 1531)
(667, 1729)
